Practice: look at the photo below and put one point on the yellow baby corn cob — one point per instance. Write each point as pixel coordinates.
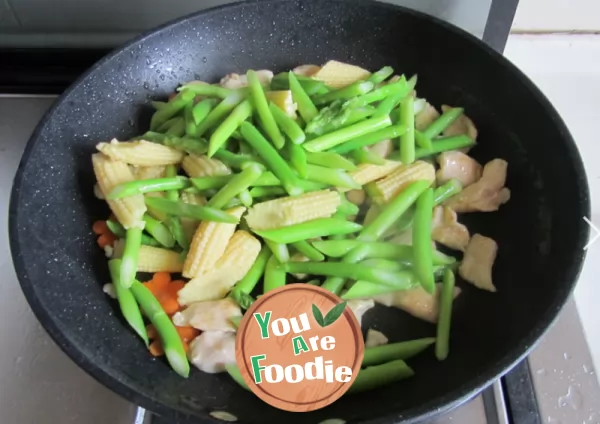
(390, 186)
(190, 225)
(283, 100)
(155, 259)
(208, 244)
(293, 210)
(202, 166)
(366, 172)
(239, 256)
(193, 199)
(141, 153)
(109, 174)
(337, 74)
(148, 172)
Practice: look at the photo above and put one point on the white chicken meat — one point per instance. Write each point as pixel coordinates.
(212, 315)
(375, 338)
(446, 230)
(212, 350)
(360, 306)
(417, 302)
(234, 81)
(456, 165)
(463, 125)
(426, 117)
(487, 194)
(478, 262)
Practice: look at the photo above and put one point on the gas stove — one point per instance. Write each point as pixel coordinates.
(39, 58)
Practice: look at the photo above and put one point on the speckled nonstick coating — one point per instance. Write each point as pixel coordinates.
(540, 232)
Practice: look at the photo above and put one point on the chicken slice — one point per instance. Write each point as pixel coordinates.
(487, 194)
(382, 149)
(306, 70)
(417, 302)
(459, 166)
(446, 229)
(212, 315)
(212, 350)
(360, 307)
(426, 116)
(478, 261)
(375, 338)
(235, 81)
(463, 125)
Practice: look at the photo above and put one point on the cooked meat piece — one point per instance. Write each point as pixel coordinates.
(356, 196)
(424, 118)
(456, 165)
(463, 125)
(487, 194)
(382, 149)
(478, 261)
(212, 350)
(360, 307)
(214, 315)
(235, 81)
(416, 302)
(446, 229)
(306, 70)
(375, 338)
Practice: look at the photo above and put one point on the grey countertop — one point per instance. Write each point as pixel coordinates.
(38, 382)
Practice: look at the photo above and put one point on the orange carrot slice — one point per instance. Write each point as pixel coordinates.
(187, 334)
(151, 331)
(104, 241)
(169, 304)
(156, 348)
(161, 279)
(100, 227)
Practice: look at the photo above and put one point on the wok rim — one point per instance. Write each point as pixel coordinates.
(414, 414)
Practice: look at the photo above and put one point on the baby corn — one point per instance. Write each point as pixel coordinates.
(208, 244)
(202, 166)
(389, 187)
(148, 172)
(140, 153)
(337, 74)
(109, 174)
(239, 256)
(293, 210)
(367, 172)
(156, 259)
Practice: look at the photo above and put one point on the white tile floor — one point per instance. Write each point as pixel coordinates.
(567, 69)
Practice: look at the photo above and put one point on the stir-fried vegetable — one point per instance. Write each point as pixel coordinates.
(324, 175)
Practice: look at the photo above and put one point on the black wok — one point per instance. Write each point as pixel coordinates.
(540, 232)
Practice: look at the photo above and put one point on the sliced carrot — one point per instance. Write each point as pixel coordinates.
(111, 237)
(104, 241)
(156, 348)
(169, 304)
(151, 331)
(100, 227)
(187, 333)
(174, 288)
(161, 279)
(186, 347)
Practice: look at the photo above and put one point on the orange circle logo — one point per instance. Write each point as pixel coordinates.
(299, 347)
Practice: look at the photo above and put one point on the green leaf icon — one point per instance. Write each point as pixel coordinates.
(331, 317)
(334, 314)
(318, 315)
